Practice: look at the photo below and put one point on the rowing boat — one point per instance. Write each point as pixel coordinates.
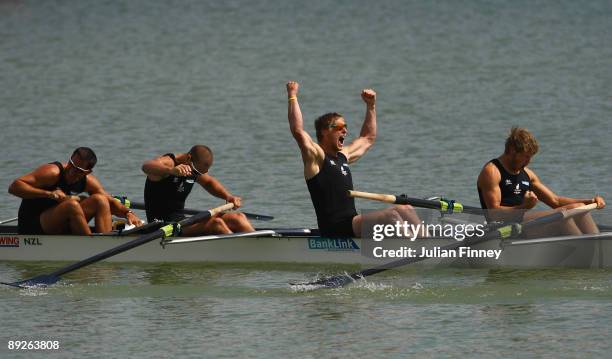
(304, 245)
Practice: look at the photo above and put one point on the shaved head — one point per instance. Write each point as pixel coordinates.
(202, 156)
(86, 154)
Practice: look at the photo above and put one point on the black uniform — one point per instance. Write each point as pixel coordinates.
(31, 209)
(329, 193)
(513, 187)
(164, 198)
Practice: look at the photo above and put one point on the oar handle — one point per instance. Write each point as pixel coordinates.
(579, 210)
(388, 198)
(140, 205)
(225, 207)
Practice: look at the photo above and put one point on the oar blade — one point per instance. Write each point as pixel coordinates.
(43, 280)
(258, 217)
(332, 282)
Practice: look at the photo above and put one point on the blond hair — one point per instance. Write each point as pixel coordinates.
(522, 141)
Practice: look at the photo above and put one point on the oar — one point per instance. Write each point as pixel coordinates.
(143, 228)
(9, 220)
(507, 231)
(442, 205)
(139, 205)
(168, 230)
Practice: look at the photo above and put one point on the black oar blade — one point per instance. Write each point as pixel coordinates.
(258, 217)
(38, 281)
(336, 281)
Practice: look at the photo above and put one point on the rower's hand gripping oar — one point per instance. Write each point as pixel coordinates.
(168, 230)
(507, 231)
(447, 206)
(139, 205)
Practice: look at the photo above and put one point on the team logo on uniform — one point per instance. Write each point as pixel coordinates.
(517, 189)
(331, 162)
(180, 188)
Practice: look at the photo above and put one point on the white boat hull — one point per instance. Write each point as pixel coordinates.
(582, 252)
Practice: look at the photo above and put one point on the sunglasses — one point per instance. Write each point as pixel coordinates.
(338, 126)
(79, 168)
(195, 170)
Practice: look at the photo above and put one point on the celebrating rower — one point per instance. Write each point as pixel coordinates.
(508, 189)
(327, 172)
(170, 179)
(49, 204)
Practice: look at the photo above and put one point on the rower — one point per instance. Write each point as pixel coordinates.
(327, 172)
(170, 179)
(508, 190)
(49, 203)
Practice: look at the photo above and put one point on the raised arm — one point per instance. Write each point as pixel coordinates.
(553, 200)
(367, 136)
(312, 153)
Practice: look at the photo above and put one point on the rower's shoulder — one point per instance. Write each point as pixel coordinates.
(489, 172)
(490, 168)
(48, 169)
(532, 175)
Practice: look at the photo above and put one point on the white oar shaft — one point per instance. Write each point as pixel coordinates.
(9, 220)
(579, 210)
(388, 198)
(225, 207)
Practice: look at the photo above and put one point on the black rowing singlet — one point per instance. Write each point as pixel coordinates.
(165, 197)
(31, 209)
(513, 187)
(329, 193)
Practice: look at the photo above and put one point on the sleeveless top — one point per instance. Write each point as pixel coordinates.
(31, 208)
(165, 197)
(329, 193)
(512, 186)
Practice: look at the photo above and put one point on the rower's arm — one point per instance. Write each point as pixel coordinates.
(214, 187)
(159, 168)
(312, 153)
(367, 136)
(488, 183)
(553, 200)
(30, 186)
